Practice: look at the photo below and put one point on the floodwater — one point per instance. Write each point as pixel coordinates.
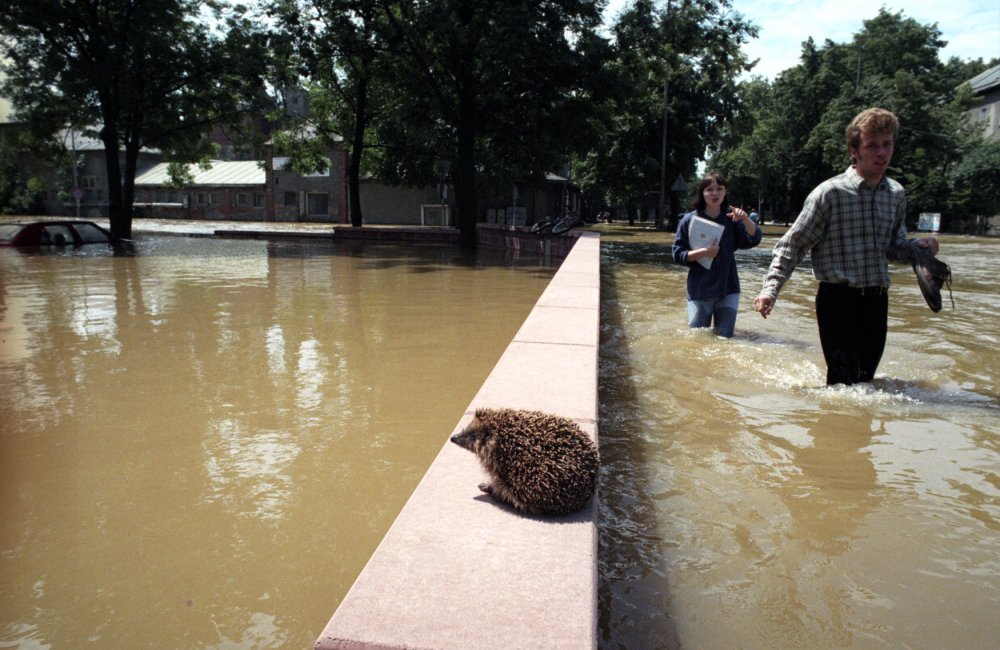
(746, 505)
(202, 445)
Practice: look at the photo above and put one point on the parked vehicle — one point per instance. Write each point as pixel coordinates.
(53, 233)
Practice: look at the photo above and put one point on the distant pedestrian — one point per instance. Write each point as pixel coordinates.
(713, 284)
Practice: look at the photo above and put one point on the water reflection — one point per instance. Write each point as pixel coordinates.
(201, 444)
(745, 504)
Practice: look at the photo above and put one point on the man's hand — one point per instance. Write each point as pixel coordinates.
(928, 242)
(763, 304)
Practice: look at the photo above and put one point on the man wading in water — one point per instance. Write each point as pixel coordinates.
(852, 224)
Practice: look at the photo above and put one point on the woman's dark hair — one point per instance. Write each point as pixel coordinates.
(706, 180)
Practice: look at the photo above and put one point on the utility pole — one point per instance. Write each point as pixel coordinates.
(77, 192)
(661, 209)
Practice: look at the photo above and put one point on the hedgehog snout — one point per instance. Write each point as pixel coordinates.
(464, 439)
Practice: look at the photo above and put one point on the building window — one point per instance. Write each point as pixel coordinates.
(318, 204)
(258, 199)
(241, 199)
(290, 200)
(213, 198)
(202, 198)
(88, 182)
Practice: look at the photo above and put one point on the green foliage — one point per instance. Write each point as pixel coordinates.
(18, 195)
(341, 48)
(799, 120)
(975, 181)
(692, 48)
(136, 73)
(500, 89)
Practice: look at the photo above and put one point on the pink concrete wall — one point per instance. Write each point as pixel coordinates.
(456, 570)
(522, 239)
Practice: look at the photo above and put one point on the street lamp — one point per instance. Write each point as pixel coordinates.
(663, 159)
(77, 193)
(442, 169)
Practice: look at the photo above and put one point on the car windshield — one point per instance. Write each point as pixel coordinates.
(8, 230)
(56, 235)
(91, 234)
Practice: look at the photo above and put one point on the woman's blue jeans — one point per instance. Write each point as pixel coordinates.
(723, 311)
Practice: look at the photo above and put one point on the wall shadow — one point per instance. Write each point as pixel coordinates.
(633, 584)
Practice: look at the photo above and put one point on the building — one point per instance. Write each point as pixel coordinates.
(227, 190)
(266, 189)
(318, 196)
(986, 112)
(248, 190)
(526, 204)
(87, 194)
(555, 196)
(70, 189)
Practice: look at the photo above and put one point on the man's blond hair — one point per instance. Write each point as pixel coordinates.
(871, 120)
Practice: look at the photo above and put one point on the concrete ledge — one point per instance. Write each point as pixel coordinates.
(522, 239)
(271, 234)
(412, 235)
(456, 570)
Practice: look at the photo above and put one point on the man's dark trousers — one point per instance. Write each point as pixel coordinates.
(852, 329)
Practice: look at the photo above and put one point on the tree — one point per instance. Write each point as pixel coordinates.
(686, 55)
(772, 155)
(479, 93)
(892, 63)
(498, 89)
(339, 47)
(18, 195)
(135, 73)
(976, 181)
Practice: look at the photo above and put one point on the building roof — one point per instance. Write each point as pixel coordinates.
(985, 80)
(241, 172)
(76, 140)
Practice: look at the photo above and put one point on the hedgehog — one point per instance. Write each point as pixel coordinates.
(540, 464)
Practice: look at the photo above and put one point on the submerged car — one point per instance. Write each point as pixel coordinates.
(53, 233)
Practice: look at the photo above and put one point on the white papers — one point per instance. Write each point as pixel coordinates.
(701, 233)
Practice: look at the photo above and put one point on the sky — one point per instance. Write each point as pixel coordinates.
(971, 27)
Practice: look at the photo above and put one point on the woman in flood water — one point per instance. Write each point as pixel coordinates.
(706, 242)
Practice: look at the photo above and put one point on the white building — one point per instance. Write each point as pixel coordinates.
(986, 112)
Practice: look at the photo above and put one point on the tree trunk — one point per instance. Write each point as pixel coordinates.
(119, 219)
(465, 172)
(466, 90)
(128, 182)
(354, 168)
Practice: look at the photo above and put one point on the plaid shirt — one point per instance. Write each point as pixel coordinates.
(851, 230)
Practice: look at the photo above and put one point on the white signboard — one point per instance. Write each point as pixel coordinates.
(930, 221)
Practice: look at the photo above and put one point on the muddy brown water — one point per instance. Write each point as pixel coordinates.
(746, 505)
(202, 445)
